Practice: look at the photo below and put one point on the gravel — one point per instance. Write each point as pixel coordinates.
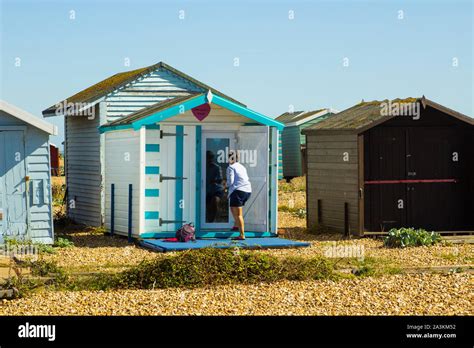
(421, 294)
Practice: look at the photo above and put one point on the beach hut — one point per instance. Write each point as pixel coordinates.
(25, 176)
(106, 101)
(389, 164)
(166, 165)
(54, 154)
(292, 146)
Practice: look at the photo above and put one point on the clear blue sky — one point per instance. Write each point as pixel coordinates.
(282, 62)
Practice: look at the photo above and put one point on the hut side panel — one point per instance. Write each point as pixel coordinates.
(34, 147)
(333, 180)
(38, 168)
(122, 168)
(83, 170)
(291, 151)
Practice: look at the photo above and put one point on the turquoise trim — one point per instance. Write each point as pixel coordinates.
(170, 112)
(152, 215)
(152, 147)
(103, 129)
(179, 173)
(152, 170)
(199, 100)
(152, 193)
(198, 177)
(152, 126)
(262, 119)
(208, 234)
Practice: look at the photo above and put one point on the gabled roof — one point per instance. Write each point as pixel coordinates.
(366, 115)
(28, 118)
(112, 83)
(297, 118)
(168, 108)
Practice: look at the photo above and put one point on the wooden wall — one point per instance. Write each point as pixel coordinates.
(332, 180)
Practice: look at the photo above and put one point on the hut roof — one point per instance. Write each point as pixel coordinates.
(32, 120)
(366, 115)
(110, 84)
(298, 116)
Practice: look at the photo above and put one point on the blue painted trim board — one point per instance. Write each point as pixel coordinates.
(152, 215)
(152, 193)
(198, 177)
(152, 170)
(152, 147)
(254, 243)
(170, 112)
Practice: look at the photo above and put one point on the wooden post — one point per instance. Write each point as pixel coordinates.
(112, 209)
(130, 213)
(346, 218)
(320, 211)
(361, 174)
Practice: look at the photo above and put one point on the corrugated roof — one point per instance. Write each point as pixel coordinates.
(296, 116)
(116, 81)
(367, 114)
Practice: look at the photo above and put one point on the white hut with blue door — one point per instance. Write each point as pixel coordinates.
(25, 176)
(109, 100)
(158, 160)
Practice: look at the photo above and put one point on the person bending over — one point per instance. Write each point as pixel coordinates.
(239, 191)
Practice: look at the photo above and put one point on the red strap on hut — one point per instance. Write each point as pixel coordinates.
(426, 181)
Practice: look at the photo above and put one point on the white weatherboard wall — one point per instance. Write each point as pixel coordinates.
(122, 167)
(157, 86)
(83, 144)
(83, 169)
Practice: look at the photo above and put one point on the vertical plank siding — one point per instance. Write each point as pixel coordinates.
(332, 180)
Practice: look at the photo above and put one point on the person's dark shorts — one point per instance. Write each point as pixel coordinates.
(238, 198)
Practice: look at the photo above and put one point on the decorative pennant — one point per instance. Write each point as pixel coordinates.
(201, 111)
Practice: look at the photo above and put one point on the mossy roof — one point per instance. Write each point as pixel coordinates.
(116, 81)
(364, 115)
(296, 116)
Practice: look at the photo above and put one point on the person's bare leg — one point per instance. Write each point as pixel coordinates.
(241, 223)
(238, 220)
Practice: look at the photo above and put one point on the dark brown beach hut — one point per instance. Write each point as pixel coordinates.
(388, 164)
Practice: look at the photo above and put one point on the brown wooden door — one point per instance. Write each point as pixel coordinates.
(424, 155)
(434, 205)
(385, 204)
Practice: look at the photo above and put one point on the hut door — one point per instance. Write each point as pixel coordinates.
(385, 203)
(253, 146)
(216, 212)
(13, 208)
(435, 158)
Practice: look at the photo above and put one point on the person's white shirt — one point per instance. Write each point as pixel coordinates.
(237, 178)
